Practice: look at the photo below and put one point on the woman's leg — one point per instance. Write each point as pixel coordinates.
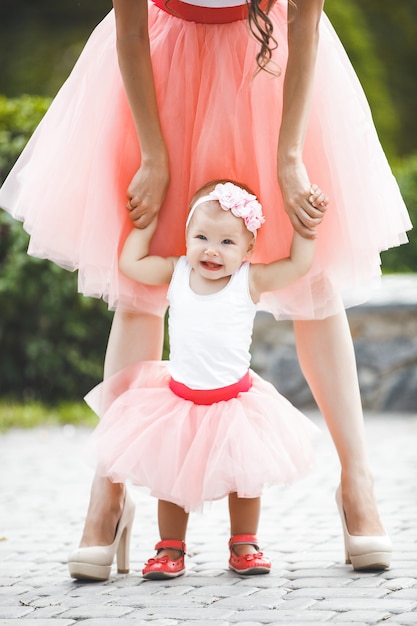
(327, 358)
(133, 337)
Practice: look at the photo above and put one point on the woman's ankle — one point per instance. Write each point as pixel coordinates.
(104, 511)
(360, 504)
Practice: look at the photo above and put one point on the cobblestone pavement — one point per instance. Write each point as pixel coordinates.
(44, 492)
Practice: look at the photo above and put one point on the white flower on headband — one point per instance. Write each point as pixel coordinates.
(240, 203)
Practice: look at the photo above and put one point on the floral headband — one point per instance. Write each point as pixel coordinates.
(237, 200)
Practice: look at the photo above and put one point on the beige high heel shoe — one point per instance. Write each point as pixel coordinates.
(364, 552)
(94, 563)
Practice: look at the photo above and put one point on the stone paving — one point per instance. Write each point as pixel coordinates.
(44, 491)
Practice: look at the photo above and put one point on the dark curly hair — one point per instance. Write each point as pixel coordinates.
(261, 28)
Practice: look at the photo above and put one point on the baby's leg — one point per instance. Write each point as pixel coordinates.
(172, 522)
(170, 551)
(244, 520)
(245, 557)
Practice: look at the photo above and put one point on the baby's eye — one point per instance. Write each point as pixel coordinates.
(227, 241)
(203, 237)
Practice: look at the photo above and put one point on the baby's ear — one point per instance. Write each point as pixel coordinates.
(251, 247)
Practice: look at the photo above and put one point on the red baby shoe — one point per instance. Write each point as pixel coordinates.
(247, 564)
(161, 567)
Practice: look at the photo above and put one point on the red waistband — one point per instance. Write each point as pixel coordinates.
(204, 15)
(210, 396)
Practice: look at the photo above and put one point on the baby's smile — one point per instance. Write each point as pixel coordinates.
(210, 265)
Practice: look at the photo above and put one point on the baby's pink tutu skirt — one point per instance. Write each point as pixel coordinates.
(190, 454)
(219, 121)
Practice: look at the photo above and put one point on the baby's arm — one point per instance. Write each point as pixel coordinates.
(135, 261)
(283, 272)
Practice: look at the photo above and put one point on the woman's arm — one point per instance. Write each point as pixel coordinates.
(148, 187)
(303, 38)
(136, 263)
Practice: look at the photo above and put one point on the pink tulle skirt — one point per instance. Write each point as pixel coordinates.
(219, 121)
(188, 453)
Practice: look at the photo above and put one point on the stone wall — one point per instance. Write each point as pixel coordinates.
(384, 332)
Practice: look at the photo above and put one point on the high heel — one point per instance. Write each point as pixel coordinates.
(95, 562)
(364, 552)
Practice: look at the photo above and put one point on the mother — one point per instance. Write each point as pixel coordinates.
(193, 94)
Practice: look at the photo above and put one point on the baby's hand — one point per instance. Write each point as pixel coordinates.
(318, 199)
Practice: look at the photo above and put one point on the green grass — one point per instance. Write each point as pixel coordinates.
(30, 415)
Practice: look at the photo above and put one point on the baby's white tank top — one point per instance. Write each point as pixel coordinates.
(210, 335)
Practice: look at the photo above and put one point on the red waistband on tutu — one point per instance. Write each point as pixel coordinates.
(210, 396)
(204, 15)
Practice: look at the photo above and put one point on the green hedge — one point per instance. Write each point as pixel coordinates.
(404, 258)
(52, 340)
(18, 119)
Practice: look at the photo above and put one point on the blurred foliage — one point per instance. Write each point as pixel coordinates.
(32, 414)
(350, 23)
(380, 41)
(40, 41)
(52, 340)
(18, 119)
(404, 258)
(393, 27)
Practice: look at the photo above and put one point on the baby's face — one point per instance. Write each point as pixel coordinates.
(217, 241)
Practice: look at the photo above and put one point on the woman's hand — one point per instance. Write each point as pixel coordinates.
(304, 203)
(146, 193)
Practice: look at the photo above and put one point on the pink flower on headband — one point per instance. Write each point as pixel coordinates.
(240, 203)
